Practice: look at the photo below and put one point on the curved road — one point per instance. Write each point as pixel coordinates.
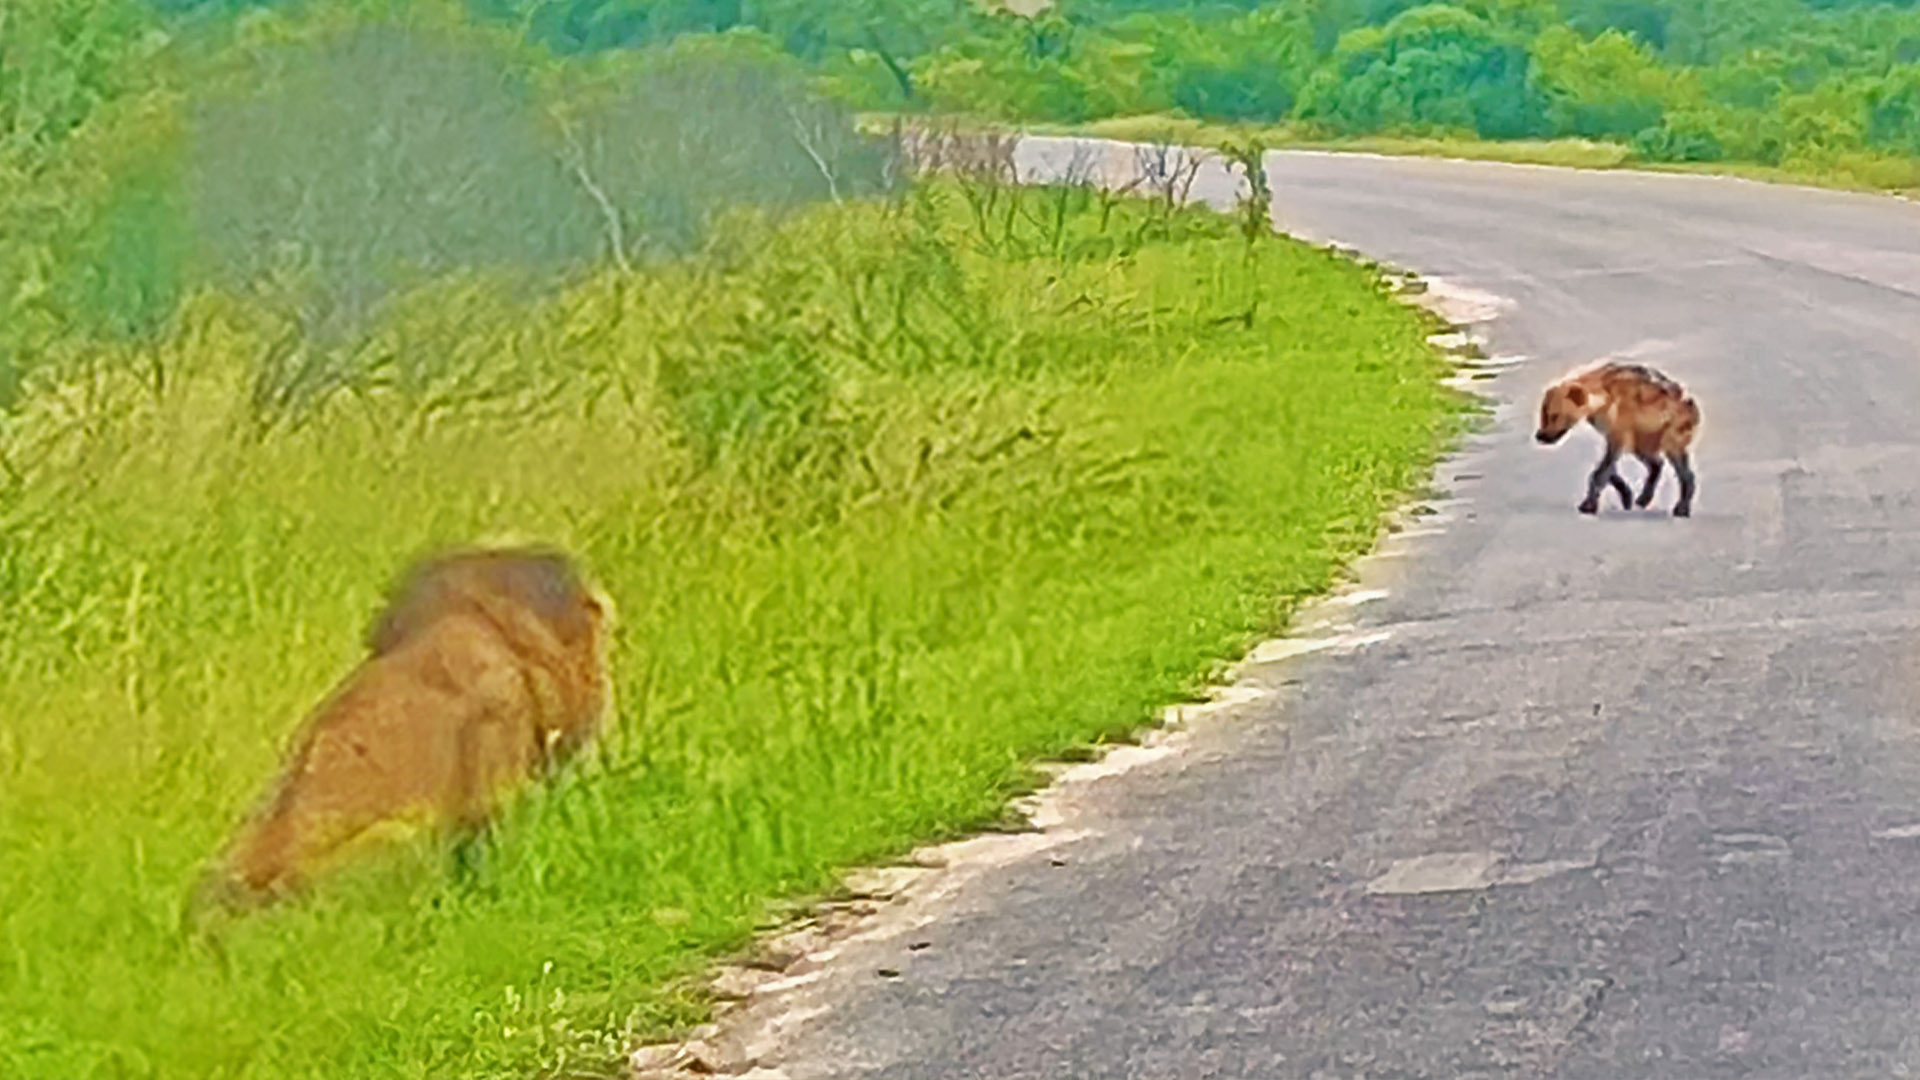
(1625, 796)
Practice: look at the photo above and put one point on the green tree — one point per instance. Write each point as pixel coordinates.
(1432, 68)
(1046, 67)
(1752, 80)
(1608, 87)
(1829, 119)
(893, 33)
(1893, 111)
(62, 59)
(588, 25)
(1645, 20)
(1243, 67)
(1701, 32)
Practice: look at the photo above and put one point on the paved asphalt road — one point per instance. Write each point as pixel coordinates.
(1670, 770)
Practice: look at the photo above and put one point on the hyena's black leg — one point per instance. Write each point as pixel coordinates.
(1683, 468)
(1597, 481)
(1653, 463)
(1626, 493)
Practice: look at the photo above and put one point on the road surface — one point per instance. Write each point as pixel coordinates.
(1625, 796)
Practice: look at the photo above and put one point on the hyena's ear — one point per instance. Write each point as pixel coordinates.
(1578, 396)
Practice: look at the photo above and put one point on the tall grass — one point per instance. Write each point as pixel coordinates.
(894, 490)
(889, 502)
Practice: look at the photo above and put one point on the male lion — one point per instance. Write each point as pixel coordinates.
(486, 669)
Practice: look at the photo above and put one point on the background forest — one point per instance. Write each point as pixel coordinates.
(1681, 80)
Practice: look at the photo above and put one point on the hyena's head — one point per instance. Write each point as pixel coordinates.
(1563, 406)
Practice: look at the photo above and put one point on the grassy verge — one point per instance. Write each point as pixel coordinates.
(892, 499)
(1840, 171)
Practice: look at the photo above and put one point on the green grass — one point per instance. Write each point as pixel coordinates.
(892, 500)
(1841, 171)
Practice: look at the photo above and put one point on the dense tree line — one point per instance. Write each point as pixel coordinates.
(1752, 80)
(1766, 81)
